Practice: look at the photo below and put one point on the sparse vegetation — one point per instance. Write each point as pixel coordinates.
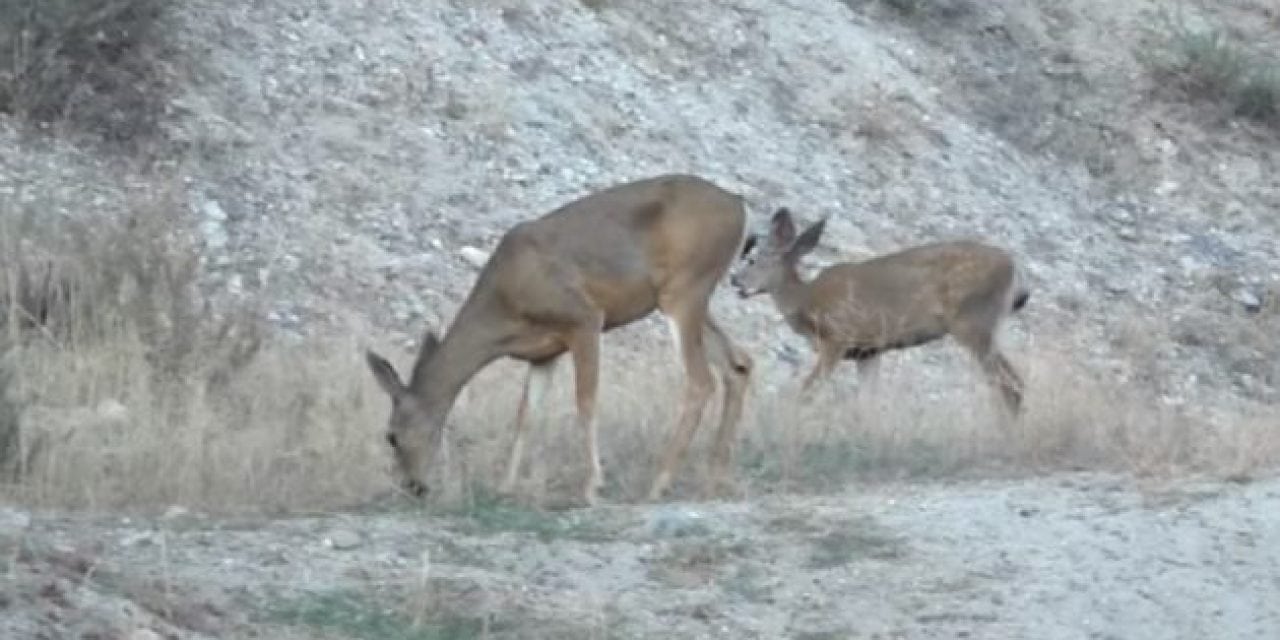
(83, 65)
(486, 513)
(1209, 64)
(694, 563)
(946, 9)
(851, 540)
(160, 355)
(10, 427)
(139, 387)
(361, 618)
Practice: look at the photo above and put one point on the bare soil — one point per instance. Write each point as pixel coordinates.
(1066, 557)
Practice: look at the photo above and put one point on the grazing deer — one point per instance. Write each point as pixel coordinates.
(858, 311)
(554, 285)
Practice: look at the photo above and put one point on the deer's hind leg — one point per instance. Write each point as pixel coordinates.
(976, 333)
(537, 386)
(734, 366)
(686, 311)
(829, 354)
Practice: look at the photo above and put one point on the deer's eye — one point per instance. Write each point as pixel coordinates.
(391, 440)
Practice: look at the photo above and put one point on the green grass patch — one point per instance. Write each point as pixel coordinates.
(1209, 64)
(829, 464)
(488, 513)
(352, 615)
(854, 540)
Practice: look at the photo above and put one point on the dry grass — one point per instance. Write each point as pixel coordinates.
(946, 425)
(88, 66)
(1209, 65)
(298, 427)
(140, 390)
(290, 431)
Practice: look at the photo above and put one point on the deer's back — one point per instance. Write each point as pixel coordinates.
(622, 245)
(910, 295)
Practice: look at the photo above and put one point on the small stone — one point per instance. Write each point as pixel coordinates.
(138, 539)
(213, 211)
(174, 512)
(13, 522)
(215, 237)
(474, 257)
(676, 522)
(343, 539)
(112, 411)
(1116, 288)
(1251, 301)
(1166, 188)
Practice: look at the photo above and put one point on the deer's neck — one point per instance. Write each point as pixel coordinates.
(792, 296)
(465, 349)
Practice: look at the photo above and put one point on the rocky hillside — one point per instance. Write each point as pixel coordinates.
(350, 151)
(342, 169)
(349, 164)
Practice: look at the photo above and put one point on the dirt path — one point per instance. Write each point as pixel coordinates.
(1059, 558)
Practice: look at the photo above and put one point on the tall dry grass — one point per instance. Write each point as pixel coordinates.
(123, 384)
(920, 420)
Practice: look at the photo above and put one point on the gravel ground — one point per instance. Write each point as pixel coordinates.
(1067, 557)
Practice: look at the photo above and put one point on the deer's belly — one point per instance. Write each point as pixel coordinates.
(623, 301)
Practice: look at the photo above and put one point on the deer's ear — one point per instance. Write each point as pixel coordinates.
(782, 229)
(384, 373)
(429, 344)
(808, 241)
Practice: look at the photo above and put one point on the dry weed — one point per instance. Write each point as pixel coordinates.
(287, 432)
(84, 65)
(924, 420)
(142, 390)
(136, 389)
(1211, 65)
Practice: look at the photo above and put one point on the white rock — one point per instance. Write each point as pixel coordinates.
(213, 211)
(343, 539)
(1166, 188)
(215, 237)
(677, 522)
(1247, 298)
(175, 511)
(13, 522)
(112, 411)
(474, 257)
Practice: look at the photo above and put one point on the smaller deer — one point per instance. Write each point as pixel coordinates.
(858, 311)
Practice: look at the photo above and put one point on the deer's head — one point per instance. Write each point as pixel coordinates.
(414, 430)
(767, 266)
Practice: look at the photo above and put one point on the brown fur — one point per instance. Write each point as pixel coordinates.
(858, 311)
(555, 284)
